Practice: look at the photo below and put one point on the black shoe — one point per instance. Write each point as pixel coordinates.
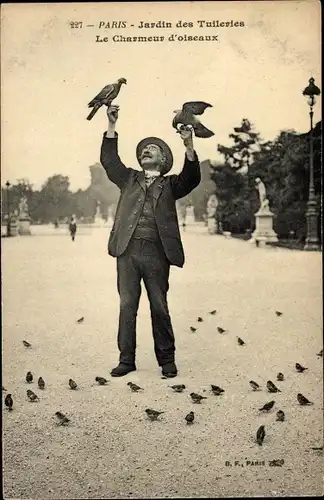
(169, 370)
(122, 369)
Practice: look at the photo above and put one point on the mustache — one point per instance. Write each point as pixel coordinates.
(146, 154)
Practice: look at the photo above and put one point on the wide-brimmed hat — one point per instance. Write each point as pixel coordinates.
(162, 145)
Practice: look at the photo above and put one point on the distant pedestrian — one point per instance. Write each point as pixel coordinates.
(73, 227)
(56, 224)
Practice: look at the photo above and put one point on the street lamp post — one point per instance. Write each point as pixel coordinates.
(312, 241)
(8, 209)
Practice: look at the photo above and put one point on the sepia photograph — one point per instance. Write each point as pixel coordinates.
(161, 250)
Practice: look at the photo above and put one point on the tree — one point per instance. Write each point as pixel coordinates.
(55, 199)
(246, 143)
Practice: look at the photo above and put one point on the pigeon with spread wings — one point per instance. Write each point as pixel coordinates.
(105, 96)
(187, 116)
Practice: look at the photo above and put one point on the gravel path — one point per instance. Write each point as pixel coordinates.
(110, 449)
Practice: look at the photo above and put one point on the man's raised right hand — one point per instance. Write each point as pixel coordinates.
(112, 113)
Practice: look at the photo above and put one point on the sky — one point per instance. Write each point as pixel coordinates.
(49, 73)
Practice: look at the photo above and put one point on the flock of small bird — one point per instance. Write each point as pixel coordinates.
(178, 388)
(271, 387)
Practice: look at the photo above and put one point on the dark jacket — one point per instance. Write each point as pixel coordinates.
(166, 191)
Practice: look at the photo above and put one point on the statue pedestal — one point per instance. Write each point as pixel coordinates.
(227, 234)
(264, 228)
(24, 226)
(212, 226)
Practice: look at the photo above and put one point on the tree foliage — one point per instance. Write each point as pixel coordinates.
(283, 166)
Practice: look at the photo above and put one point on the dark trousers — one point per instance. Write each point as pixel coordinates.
(144, 260)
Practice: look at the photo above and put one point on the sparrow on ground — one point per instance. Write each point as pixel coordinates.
(213, 312)
(9, 402)
(190, 417)
(199, 319)
(271, 387)
(320, 354)
(260, 435)
(300, 368)
(196, 398)
(29, 377)
(254, 385)
(178, 388)
(153, 414)
(62, 419)
(217, 391)
(280, 416)
(101, 380)
(41, 383)
(32, 396)
(220, 329)
(186, 116)
(280, 377)
(134, 387)
(105, 96)
(193, 329)
(302, 400)
(80, 320)
(26, 344)
(278, 313)
(268, 406)
(240, 341)
(73, 385)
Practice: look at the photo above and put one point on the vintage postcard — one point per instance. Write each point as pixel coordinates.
(161, 249)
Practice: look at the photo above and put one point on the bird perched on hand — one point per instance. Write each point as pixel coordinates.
(26, 344)
(105, 96)
(73, 385)
(29, 377)
(80, 320)
(101, 380)
(280, 416)
(193, 329)
(254, 385)
(268, 406)
(300, 368)
(199, 319)
(41, 383)
(134, 387)
(280, 377)
(190, 417)
(9, 402)
(213, 312)
(271, 387)
(153, 414)
(186, 116)
(302, 400)
(62, 419)
(278, 313)
(32, 396)
(217, 391)
(196, 398)
(220, 329)
(240, 341)
(178, 388)
(260, 435)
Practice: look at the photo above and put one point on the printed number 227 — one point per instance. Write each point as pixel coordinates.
(76, 24)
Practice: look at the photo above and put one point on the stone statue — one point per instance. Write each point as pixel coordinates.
(264, 202)
(211, 214)
(23, 206)
(212, 205)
